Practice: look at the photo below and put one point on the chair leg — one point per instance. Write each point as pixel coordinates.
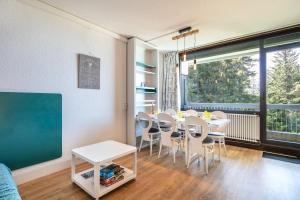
(160, 147)
(220, 143)
(186, 156)
(188, 161)
(180, 145)
(151, 142)
(213, 155)
(141, 143)
(224, 147)
(206, 160)
(174, 154)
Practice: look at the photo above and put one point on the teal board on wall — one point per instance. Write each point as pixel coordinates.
(30, 128)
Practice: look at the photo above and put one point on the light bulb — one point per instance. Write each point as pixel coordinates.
(184, 57)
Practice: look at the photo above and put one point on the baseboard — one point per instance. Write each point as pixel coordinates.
(282, 150)
(240, 143)
(265, 147)
(36, 171)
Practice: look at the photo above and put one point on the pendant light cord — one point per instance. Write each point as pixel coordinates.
(184, 44)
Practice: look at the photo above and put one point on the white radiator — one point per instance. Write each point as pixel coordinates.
(243, 127)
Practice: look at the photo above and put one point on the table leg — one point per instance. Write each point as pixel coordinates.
(97, 180)
(134, 163)
(206, 159)
(73, 167)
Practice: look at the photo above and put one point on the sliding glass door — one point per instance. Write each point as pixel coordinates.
(283, 94)
(281, 101)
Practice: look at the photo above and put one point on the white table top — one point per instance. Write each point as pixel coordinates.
(214, 122)
(102, 152)
(218, 122)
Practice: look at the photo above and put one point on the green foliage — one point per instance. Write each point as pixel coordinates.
(283, 78)
(283, 87)
(229, 81)
(226, 81)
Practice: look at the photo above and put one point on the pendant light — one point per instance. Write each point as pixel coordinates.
(177, 65)
(183, 33)
(195, 61)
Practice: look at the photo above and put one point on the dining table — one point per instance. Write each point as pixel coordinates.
(212, 123)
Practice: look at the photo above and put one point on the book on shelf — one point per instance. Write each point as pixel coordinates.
(111, 181)
(108, 175)
(111, 174)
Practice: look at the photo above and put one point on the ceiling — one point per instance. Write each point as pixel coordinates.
(216, 19)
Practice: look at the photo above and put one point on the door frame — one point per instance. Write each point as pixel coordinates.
(263, 94)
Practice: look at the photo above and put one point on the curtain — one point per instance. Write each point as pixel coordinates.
(170, 79)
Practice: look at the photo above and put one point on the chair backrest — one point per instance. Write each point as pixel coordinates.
(191, 113)
(219, 115)
(171, 112)
(195, 143)
(147, 119)
(164, 118)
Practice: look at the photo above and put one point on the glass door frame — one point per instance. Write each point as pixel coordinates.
(263, 93)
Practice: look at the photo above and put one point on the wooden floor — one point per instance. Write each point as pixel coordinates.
(243, 174)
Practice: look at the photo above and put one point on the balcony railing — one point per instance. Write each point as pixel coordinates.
(224, 106)
(283, 120)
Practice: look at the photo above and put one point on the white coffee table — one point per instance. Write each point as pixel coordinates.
(100, 154)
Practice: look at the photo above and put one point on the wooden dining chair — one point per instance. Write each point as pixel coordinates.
(169, 137)
(218, 133)
(149, 133)
(199, 144)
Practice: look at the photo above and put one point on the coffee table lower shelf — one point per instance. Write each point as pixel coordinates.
(88, 184)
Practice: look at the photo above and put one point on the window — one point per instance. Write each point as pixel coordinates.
(228, 78)
(225, 79)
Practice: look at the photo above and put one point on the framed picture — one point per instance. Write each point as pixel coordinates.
(88, 72)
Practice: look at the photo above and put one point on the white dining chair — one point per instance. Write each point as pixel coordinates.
(218, 132)
(199, 144)
(191, 113)
(149, 133)
(171, 112)
(169, 136)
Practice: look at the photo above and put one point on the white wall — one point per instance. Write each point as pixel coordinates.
(38, 53)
